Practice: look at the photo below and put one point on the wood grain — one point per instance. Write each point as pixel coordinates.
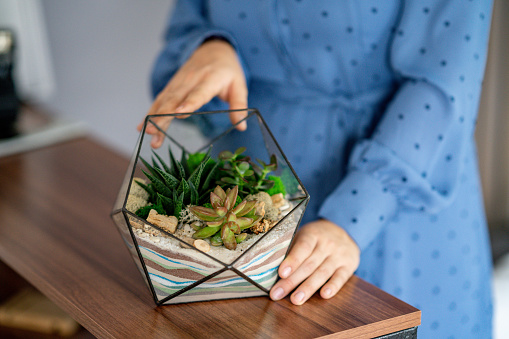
(56, 233)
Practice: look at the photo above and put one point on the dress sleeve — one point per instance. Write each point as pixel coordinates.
(187, 28)
(415, 157)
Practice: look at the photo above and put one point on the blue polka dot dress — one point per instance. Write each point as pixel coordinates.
(375, 105)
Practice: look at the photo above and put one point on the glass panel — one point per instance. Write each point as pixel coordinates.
(261, 261)
(122, 194)
(226, 285)
(169, 264)
(121, 223)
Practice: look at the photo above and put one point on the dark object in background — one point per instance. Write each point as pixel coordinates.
(9, 103)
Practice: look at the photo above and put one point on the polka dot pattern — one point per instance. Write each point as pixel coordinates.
(401, 177)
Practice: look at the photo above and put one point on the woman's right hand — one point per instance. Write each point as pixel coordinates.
(212, 70)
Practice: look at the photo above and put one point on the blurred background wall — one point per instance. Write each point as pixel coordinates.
(493, 124)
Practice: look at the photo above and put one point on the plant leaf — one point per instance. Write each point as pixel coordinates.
(185, 165)
(158, 185)
(193, 194)
(150, 168)
(240, 150)
(210, 175)
(174, 170)
(166, 203)
(228, 238)
(241, 237)
(206, 232)
(243, 167)
(178, 206)
(165, 166)
(183, 188)
(220, 192)
(216, 240)
(169, 179)
(231, 197)
(225, 155)
(204, 213)
(147, 188)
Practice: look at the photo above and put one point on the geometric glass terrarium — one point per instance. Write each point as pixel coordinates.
(174, 267)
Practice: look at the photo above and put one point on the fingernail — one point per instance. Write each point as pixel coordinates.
(286, 272)
(242, 126)
(278, 293)
(179, 109)
(327, 293)
(299, 297)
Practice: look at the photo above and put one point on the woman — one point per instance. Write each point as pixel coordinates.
(374, 104)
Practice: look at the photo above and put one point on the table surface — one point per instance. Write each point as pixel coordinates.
(56, 232)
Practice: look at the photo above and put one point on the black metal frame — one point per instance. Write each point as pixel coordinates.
(134, 161)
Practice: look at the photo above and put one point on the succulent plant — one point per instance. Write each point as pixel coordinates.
(225, 221)
(239, 170)
(178, 184)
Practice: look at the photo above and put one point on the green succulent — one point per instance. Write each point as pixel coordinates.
(225, 220)
(180, 183)
(239, 170)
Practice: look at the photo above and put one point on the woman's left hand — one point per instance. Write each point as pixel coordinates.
(322, 255)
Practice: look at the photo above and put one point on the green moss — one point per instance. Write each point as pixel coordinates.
(143, 212)
(278, 187)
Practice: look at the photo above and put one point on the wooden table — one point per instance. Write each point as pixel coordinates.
(56, 233)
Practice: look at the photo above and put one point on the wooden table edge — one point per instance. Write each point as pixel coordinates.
(374, 330)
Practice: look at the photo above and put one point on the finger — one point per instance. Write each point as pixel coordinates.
(303, 271)
(237, 99)
(336, 282)
(314, 281)
(300, 250)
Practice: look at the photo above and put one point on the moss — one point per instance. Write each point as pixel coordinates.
(144, 211)
(278, 187)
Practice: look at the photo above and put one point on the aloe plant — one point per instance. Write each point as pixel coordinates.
(177, 184)
(225, 221)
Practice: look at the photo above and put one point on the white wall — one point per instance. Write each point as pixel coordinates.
(102, 54)
(33, 71)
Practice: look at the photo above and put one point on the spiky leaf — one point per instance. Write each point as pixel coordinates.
(150, 168)
(210, 176)
(149, 189)
(158, 184)
(194, 196)
(169, 179)
(167, 203)
(179, 203)
(183, 161)
(163, 163)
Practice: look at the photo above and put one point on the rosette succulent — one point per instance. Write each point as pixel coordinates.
(225, 220)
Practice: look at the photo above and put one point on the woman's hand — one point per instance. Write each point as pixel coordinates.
(323, 255)
(212, 70)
